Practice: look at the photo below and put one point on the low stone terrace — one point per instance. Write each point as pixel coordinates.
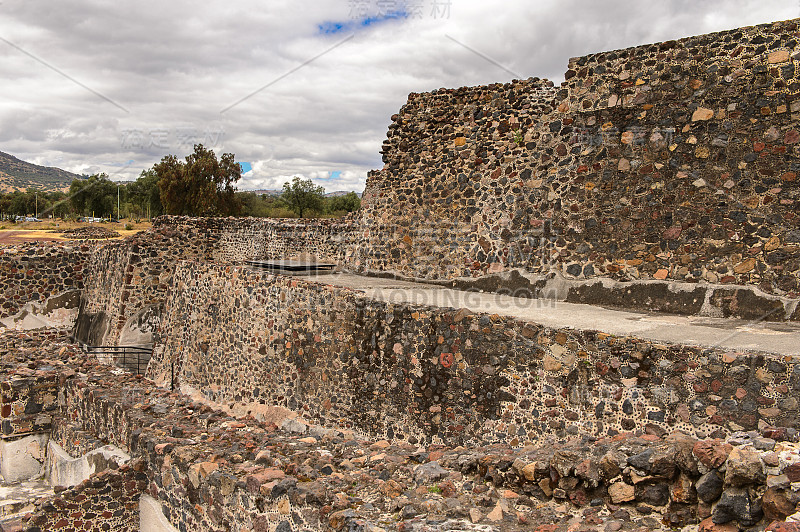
(210, 471)
(735, 334)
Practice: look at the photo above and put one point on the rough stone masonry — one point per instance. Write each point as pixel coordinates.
(661, 177)
(672, 161)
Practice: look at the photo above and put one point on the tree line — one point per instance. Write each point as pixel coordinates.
(202, 185)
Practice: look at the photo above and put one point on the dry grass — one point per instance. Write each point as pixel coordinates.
(43, 231)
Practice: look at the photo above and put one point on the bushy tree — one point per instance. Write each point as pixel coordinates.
(96, 195)
(23, 203)
(144, 194)
(348, 203)
(302, 196)
(58, 205)
(201, 186)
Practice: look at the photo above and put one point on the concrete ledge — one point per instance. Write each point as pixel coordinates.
(151, 516)
(64, 470)
(23, 458)
(672, 297)
(720, 332)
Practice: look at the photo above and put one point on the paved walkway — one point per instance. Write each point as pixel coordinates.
(738, 335)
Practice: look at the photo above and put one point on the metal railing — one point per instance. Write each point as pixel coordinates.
(130, 358)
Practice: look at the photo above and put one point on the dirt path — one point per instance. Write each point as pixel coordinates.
(16, 237)
(11, 236)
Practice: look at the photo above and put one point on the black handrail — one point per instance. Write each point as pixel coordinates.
(129, 357)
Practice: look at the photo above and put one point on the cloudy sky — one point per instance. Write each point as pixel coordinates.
(296, 87)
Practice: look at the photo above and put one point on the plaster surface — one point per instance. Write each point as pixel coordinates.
(151, 516)
(22, 458)
(769, 337)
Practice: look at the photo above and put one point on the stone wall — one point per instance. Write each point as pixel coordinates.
(186, 455)
(28, 404)
(73, 440)
(39, 285)
(107, 501)
(455, 183)
(431, 374)
(28, 391)
(239, 239)
(127, 281)
(675, 161)
(211, 472)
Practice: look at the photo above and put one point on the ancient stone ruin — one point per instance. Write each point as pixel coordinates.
(559, 308)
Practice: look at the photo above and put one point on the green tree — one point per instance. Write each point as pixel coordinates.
(202, 186)
(348, 203)
(58, 205)
(302, 196)
(95, 196)
(5, 205)
(252, 204)
(77, 195)
(145, 195)
(23, 203)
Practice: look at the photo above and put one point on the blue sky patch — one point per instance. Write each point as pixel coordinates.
(330, 27)
(246, 167)
(334, 175)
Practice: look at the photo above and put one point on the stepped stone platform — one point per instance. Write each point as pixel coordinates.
(734, 334)
(207, 470)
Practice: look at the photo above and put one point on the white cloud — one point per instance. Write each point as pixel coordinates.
(174, 66)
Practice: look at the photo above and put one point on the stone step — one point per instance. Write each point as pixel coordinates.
(727, 333)
(14, 507)
(18, 499)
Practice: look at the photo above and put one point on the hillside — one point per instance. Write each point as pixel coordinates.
(16, 174)
(278, 192)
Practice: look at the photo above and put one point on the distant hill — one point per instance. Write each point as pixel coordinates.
(278, 192)
(20, 175)
(261, 192)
